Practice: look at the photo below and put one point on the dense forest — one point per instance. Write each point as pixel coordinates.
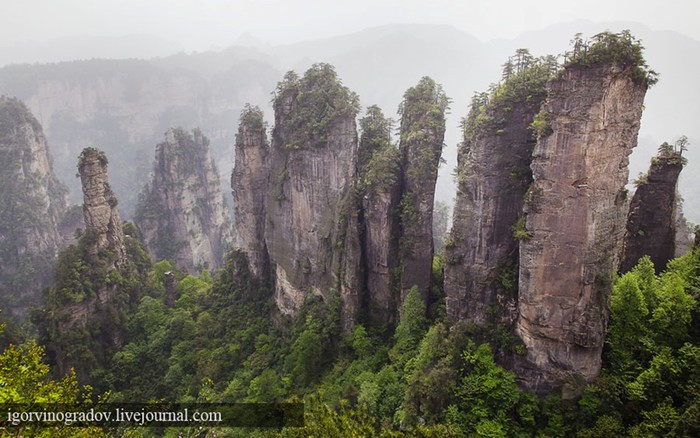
(370, 352)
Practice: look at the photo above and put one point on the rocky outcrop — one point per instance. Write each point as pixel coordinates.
(312, 170)
(103, 228)
(340, 218)
(249, 182)
(575, 217)
(32, 204)
(493, 174)
(181, 214)
(651, 222)
(98, 281)
(422, 133)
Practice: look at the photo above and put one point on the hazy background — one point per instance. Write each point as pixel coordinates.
(215, 24)
(196, 62)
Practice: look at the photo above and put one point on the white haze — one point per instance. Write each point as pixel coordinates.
(213, 24)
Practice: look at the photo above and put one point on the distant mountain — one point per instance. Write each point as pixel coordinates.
(81, 103)
(87, 47)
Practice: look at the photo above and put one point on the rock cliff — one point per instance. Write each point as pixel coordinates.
(380, 191)
(340, 218)
(181, 212)
(312, 168)
(32, 204)
(576, 212)
(103, 228)
(422, 133)
(249, 182)
(651, 222)
(493, 176)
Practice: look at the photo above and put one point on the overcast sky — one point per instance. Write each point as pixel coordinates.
(206, 24)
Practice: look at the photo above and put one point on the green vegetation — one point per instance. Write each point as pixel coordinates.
(25, 381)
(378, 157)
(673, 153)
(252, 117)
(217, 343)
(86, 282)
(607, 47)
(524, 82)
(312, 104)
(422, 128)
(520, 230)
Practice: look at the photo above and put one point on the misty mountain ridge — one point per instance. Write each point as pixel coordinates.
(379, 63)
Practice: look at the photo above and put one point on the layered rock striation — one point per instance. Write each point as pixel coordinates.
(653, 213)
(339, 217)
(575, 215)
(312, 169)
(249, 182)
(422, 134)
(32, 206)
(103, 228)
(181, 213)
(493, 175)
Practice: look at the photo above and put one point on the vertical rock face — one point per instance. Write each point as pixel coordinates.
(575, 219)
(102, 224)
(493, 177)
(651, 222)
(380, 179)
(249, 182)
(181, 213)
(312, 167)
(32, 203)
(422, 135)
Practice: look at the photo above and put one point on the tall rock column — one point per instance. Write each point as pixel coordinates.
(102, 224)
(651, 222)
(576, 214)
(380, 185)
(312, 169)
(481, 270)
(181, 212)
(422, 135)
(249, 182)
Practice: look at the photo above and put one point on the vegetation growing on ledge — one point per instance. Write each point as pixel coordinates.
(524, 81)
(318, 99)
(608, 47)
(252, 117)
(13, 112)
(423, 110)
(670, 154)
(422, 126)
(379, 159)
(673, 153)
(101, 157)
